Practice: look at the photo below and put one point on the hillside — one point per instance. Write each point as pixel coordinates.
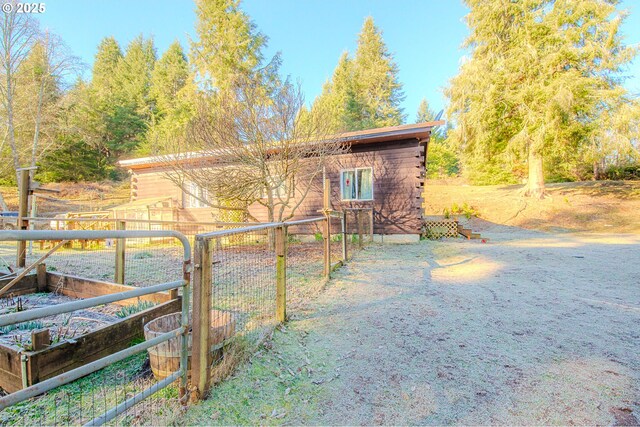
(596, 206)
(74, 197)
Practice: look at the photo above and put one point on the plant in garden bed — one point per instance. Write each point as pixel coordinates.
(128, 310)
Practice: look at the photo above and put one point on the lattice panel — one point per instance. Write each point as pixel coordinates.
(436, 229)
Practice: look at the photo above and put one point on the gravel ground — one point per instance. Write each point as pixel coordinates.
(528, 328)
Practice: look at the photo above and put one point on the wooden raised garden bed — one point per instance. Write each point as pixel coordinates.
(43, 360)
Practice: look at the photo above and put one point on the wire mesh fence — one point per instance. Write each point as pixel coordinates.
(359, 229)
(37, 351)
(239, 277)
(242, 295)
(147, 260)
(305, 264)
(95, 395)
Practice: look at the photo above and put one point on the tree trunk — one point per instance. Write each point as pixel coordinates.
(36, 130)
(596, 170)
(535, 182)
(3, 204)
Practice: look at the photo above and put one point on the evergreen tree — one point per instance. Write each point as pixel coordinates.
(441, 158)
(229, 47)
(112, 111)
(547, 70)
(133, 76)
(169, 76)
(364, 92)
(337, 100)
(105, 67)
(377, 88)
(173, 92)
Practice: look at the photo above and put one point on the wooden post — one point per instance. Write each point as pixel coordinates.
(371, 226)
(40, 339)
(281, 274)
(41, 277)
(120, 254)
(359, 215)
(23, 207)
(343, 225)
(327, 229)
(202, 357)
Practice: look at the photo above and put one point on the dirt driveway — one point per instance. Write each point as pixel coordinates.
(529, 328)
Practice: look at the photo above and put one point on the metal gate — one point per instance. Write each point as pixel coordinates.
(181, 332)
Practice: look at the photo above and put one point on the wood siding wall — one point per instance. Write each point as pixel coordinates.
(398, 178)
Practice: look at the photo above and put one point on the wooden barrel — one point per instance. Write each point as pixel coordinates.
(165, 357)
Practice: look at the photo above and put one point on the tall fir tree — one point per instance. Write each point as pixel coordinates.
(377, 87)
(173, 93)
(364, 92)
(169, 76)
(441, 159)
(337, 100)
(547, 69)
(133, 76)
(229, 47)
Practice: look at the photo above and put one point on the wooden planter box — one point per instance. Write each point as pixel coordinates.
(72, 353)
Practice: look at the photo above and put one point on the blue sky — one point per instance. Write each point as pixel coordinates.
(424, 35)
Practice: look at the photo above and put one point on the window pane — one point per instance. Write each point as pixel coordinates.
(348, 186)
(365, 184)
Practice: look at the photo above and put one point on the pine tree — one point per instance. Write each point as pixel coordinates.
(547, 69)
(112, 111)
(425, 113)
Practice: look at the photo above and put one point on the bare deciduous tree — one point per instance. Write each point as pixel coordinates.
(19, 33)
(34, 66)
(253, 145)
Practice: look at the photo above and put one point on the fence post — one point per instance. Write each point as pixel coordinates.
(120, 251)
(360, 227)
(185, 321)
(201, 353)
(23, 207)
(281, 274)
(343, 226)
(371, 226)
(327, 229)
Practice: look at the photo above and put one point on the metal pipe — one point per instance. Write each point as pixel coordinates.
(266, 225)
(304, 221)
(74, 374)
(25, 235)
(25, 316)
(122, 408)
(140, 221)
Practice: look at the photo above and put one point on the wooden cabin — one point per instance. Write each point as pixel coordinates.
(384, 169)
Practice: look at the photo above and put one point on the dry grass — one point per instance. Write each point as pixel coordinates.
(75, 197)
(601, 206)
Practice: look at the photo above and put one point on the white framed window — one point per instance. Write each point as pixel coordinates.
(195, 196)
(356, 184)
